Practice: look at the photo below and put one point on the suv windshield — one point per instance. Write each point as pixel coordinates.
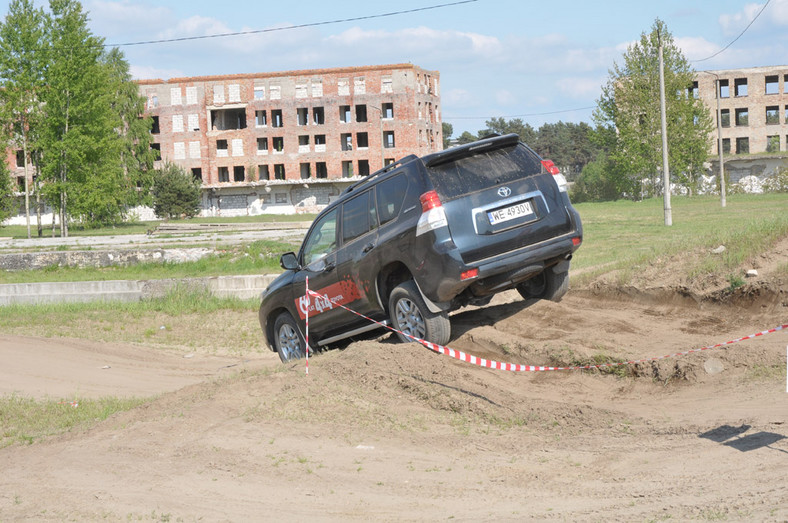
(484, 169)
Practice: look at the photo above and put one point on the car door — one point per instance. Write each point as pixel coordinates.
(357, 260)
(318, 262)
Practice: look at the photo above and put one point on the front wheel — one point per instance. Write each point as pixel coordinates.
(289, 343)
(410, 315)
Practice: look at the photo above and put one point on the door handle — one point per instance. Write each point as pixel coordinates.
(368, 247)
(329, 267)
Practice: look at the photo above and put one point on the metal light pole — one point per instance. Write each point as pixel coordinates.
(665, 168)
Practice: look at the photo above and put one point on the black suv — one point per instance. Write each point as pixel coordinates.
(423, 237)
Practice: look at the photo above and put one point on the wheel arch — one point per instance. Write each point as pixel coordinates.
(388, 278)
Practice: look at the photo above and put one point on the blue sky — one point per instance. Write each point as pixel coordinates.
(539, 61)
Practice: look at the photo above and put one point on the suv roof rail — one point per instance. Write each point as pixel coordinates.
(389, 167)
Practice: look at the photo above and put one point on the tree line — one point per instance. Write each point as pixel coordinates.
(621, 156)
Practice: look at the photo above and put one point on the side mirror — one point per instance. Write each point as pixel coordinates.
(289, 261)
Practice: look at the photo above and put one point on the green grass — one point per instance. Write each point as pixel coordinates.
(259, 257)
(27, 420)
(626, 236)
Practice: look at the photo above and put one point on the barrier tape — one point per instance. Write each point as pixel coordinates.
(517, 367)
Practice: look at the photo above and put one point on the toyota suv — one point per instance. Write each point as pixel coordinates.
(423, 237)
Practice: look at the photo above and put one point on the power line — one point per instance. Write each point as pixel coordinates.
(740, 35)
(299, 26)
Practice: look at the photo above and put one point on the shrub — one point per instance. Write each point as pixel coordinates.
(176, 193)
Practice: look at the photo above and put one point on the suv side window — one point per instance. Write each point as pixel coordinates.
(390, 194)
(356, 217)
(323, 238)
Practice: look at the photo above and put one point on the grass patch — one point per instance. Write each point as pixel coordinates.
(26, 420)
(258, 257)
(185, 319)
(625, 235)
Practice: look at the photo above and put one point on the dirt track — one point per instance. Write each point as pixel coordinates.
(384, 431)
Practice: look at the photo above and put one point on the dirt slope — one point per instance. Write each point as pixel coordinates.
(393, 432)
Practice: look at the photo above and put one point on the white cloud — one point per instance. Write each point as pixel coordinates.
(125, 18)
(505, 98)
(581, 87)
(144, 72)
(458, 97)
(776, 14)
(696, 48)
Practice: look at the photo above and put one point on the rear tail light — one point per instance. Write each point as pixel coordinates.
(472, 273)
(432, 214)
(577, 241)
(557, 176)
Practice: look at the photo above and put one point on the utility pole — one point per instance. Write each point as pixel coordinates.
(665, 168)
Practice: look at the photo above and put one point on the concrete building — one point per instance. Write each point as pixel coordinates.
(754, 107)
(290, 141)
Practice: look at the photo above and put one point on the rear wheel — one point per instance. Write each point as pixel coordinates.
(547, 285)
(410, 315)
(288, 340)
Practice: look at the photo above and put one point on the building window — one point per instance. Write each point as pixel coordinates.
(20, 158)
(276, 118)
(155, 129)
(321, 171)
(191, 96)
(347, 169)
(262, 146)
(740, 87)
(259, 93)
(281, 197)
(742, 145)
(773, 84)
(726, 145)
(228, 119)
(275, 91)
(725, 117)
(343, 87)
(194, 150)
(193, 122)
(238, 173)
(260, 118)
(692, 92)
(177, 123)
(317, 88)
(386, 85)
(388, 110)
(388, 139)
(320, 143)
(772, 115)
(773, 144)
(301, 90)
(318, 115)
(197, 173)
(156, 148)
(306, 171)
(175, 96)
(344, 113)
(359, 85)
(724, 89)
(279, 144)
(362, 140)
(224, 174)
(238, 146)
(361, 113)
(221, 148)
(742, 117)
(234, 93)
(346, 141)
(303, 143)
(218, 94)
(279, 171)
(388, 161)
(302, 114)
(363, 167)
(262, 172)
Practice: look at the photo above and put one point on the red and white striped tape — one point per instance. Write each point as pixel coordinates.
(517, 367)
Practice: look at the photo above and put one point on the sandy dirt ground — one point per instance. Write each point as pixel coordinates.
(382, 431)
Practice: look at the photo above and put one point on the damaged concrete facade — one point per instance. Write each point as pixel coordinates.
(291, 141)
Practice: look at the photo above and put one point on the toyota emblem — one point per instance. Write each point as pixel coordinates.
(504, 191)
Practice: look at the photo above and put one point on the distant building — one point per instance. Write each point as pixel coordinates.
(289, 141)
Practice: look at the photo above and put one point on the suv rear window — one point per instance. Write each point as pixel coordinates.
(484, 169)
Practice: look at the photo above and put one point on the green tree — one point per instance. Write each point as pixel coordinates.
(22, 37)
(466, 137)
(7, 200)
(448, 130)
(568, 145)
(81, 138)
(500, 126)
(628, 117)
(175, 193)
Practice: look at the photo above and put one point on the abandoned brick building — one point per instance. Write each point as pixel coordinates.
(270, 141)
(753, 106)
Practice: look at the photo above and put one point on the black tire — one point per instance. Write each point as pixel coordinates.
(410, 314)
(547, 285)
(290, 345)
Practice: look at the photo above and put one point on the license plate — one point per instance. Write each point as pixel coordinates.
(510, 213)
